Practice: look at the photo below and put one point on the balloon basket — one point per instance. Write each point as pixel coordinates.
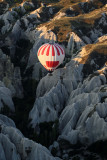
(50, 73)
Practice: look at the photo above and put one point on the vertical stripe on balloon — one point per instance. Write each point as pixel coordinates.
(43, 49)
(39, 51)
(53, 52)
(48, 50)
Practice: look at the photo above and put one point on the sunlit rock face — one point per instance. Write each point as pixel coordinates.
(102, 38)
(13, 145)
(74, 43)
(74, 95)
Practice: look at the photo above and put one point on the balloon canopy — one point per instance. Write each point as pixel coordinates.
(51, 55)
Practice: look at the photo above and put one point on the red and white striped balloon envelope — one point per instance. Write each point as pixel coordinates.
(51, 55)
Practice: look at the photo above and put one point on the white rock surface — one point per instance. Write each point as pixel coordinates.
(38, 71)
(10, 76)
(83, 119)
(6, 121)
(14, 146)
(70, 75)
(46, 108)
(59, 15)
(8, 149)
(74, 42)
(6, 98)
(8, 18)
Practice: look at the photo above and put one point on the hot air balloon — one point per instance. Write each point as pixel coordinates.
(51, 55)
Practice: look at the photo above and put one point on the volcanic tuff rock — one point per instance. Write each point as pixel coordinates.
(74, 43)
(82, 103)
(86, 109)
(5, 97)
(14, 146)
(74, 96)
(10, 76)
(46, 108)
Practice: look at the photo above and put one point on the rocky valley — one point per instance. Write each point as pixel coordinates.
(62, 116)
